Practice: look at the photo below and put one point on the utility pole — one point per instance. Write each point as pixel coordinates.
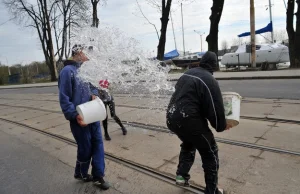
(173, 30)
(270, 9)
(7, 66)
(182, 30)
(200, 34)
(252, 27)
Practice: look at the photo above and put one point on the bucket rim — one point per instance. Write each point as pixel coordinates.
(100, 101)
(232, 93)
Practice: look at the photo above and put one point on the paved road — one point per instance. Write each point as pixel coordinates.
(287, 89)
(27, 169)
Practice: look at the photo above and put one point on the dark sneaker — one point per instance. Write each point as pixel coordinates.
(182, 182)
(101, 183)
(220, 191)
(87, 178)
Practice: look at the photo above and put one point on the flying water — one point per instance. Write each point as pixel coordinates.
(119, 58)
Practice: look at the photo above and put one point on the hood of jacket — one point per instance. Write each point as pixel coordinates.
(209, 61)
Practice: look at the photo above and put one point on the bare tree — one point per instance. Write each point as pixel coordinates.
(294, 36)
(65, 17)
(224, 45)
(237, 41)
(38, 17)
(164, 8)
(163, 30)
(144, 16)
(215, 17)
(279, 36)
(95, 12)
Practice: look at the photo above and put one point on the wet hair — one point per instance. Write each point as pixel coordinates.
(79, 47)
(76, 49)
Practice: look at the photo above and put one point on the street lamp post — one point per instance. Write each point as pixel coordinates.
(200, 34)
(7, 66)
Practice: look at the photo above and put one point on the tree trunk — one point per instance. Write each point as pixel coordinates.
(297, 37)
(212, 38)
(163, 31)
(290, 30)
(162, 39)
(64, 38)
(50, 48)
(95, 14)
(68, 48)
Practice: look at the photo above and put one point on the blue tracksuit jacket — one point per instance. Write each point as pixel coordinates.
(72, 92)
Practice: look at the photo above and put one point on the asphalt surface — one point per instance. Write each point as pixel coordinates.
(27, 169)
(286, 89)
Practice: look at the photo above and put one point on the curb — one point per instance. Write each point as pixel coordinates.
(259, 77)
(251, 78)
(176, 79)
(21, 87)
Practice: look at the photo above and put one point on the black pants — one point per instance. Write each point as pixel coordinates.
(111, 105)
(193, 138)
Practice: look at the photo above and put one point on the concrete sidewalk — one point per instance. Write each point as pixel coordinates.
(48, 84)
(242, 170)
(250, 75)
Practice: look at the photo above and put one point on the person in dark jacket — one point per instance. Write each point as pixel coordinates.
(197, 99)
(108, 100)
(73, 92)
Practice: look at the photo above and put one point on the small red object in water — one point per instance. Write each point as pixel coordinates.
(104, 83)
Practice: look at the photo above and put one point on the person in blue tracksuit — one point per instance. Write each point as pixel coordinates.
(72, 92)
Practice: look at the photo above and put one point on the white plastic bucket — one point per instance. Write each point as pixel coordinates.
(232, 106)
(92, 111)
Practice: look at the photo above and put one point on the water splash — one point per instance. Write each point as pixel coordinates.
(119, 59)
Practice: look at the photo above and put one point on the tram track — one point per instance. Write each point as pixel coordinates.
(130, 164)
(266, 118)
(221, 140)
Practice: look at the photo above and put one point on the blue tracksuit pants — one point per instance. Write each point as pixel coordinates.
(90, 149)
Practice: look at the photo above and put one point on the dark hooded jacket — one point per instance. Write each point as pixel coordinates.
(198, 96)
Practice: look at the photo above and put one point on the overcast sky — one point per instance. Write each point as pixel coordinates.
(20, 45)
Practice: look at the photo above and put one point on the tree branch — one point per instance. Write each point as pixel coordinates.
(139, 6)
(54, 3)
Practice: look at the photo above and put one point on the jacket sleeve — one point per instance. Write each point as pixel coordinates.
(214, 106)
(65, 94)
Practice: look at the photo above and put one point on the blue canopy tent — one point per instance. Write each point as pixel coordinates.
(268, 28)
(171, 55)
